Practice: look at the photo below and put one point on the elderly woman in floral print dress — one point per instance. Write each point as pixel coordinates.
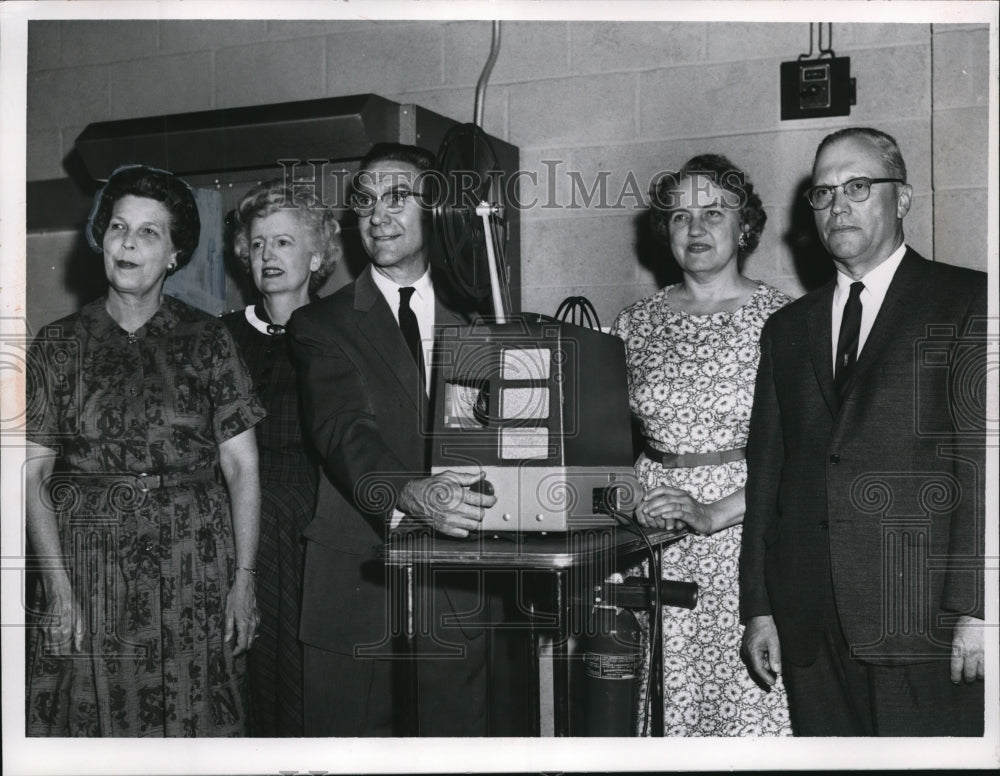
(692, 352)
(142, 492)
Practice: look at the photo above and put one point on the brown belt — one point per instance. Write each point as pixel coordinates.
(148, 482)
(690, 460)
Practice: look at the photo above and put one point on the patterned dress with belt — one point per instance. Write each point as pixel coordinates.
(144, 522)
(288, 492)
(691, 382)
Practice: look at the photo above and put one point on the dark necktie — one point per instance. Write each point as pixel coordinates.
(847, 345)
(408, 323)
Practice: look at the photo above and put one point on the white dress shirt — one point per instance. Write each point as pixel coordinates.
(422, 304)
(876, 284)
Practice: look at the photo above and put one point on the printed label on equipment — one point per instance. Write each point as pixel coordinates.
(610, 666)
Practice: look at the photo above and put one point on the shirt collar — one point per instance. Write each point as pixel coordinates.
(264, 327)
(101, 326)
(877, 280)
(423, 289)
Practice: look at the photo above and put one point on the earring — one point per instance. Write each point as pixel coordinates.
(743, 240)
(171, 266)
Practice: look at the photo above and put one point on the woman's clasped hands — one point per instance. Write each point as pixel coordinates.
(673, 509)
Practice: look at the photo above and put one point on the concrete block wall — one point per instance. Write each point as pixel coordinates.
(960, 123)
(618, 100)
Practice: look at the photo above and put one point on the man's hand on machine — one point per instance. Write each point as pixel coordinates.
(447, 502)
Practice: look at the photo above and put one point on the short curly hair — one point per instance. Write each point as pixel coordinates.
(318, 219)
(724, 174)
(138, 180)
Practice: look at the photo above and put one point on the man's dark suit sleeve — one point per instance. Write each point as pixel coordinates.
(341, 423)
(765, 454)
(963, 591)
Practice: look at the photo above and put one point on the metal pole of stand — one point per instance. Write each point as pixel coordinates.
(533, 672)
(411, 724)
(656, 657)
(560, 657)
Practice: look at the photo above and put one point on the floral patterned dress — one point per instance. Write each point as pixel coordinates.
(691, 383)
(151, 558)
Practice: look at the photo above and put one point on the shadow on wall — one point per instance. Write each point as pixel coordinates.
(83, 274)
(653, 254)
(812, 263)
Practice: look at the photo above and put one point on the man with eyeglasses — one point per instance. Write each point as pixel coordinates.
(364, 355)
(861, 572)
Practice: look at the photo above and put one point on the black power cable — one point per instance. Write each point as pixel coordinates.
(629, 524)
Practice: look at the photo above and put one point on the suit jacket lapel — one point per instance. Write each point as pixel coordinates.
(886, 322)
(379, 327)
(818, 322)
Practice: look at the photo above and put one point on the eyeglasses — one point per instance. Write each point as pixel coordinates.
(394, 201)
(856, 190)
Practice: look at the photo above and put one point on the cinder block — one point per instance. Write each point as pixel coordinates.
(209, 34)
(736, 41)
(559, 111)
(278, 29)
(82, 93)
(278, 71)
(44, 44)
(161, 85)
(544, 187)
(89, 42)
(892, 82)
(961, 147)
(44, 155)
(581, 248)
(918, 226)
(529, 51)
(857, 35)
(960, 228)
(386, 59)
(608, 47)
(48, 295)
(709, 99)
(580, 181)
(961, 67)
(648, 162)
(459, 104)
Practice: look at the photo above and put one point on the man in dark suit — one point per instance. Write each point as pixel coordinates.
(861, 572)
(364, 356)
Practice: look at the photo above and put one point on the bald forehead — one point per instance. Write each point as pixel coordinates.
(855, 151)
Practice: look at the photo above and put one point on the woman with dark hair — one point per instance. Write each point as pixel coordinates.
(142, 494)
(288, 243)
(692, 352)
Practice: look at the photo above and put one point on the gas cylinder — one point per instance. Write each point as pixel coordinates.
(610, 653)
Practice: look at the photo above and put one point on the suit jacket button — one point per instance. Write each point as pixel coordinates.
(824, 525)
(834, 458)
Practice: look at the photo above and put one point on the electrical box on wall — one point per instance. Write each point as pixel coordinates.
(814, 88)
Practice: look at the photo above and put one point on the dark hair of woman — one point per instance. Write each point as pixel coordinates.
(150, 183)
